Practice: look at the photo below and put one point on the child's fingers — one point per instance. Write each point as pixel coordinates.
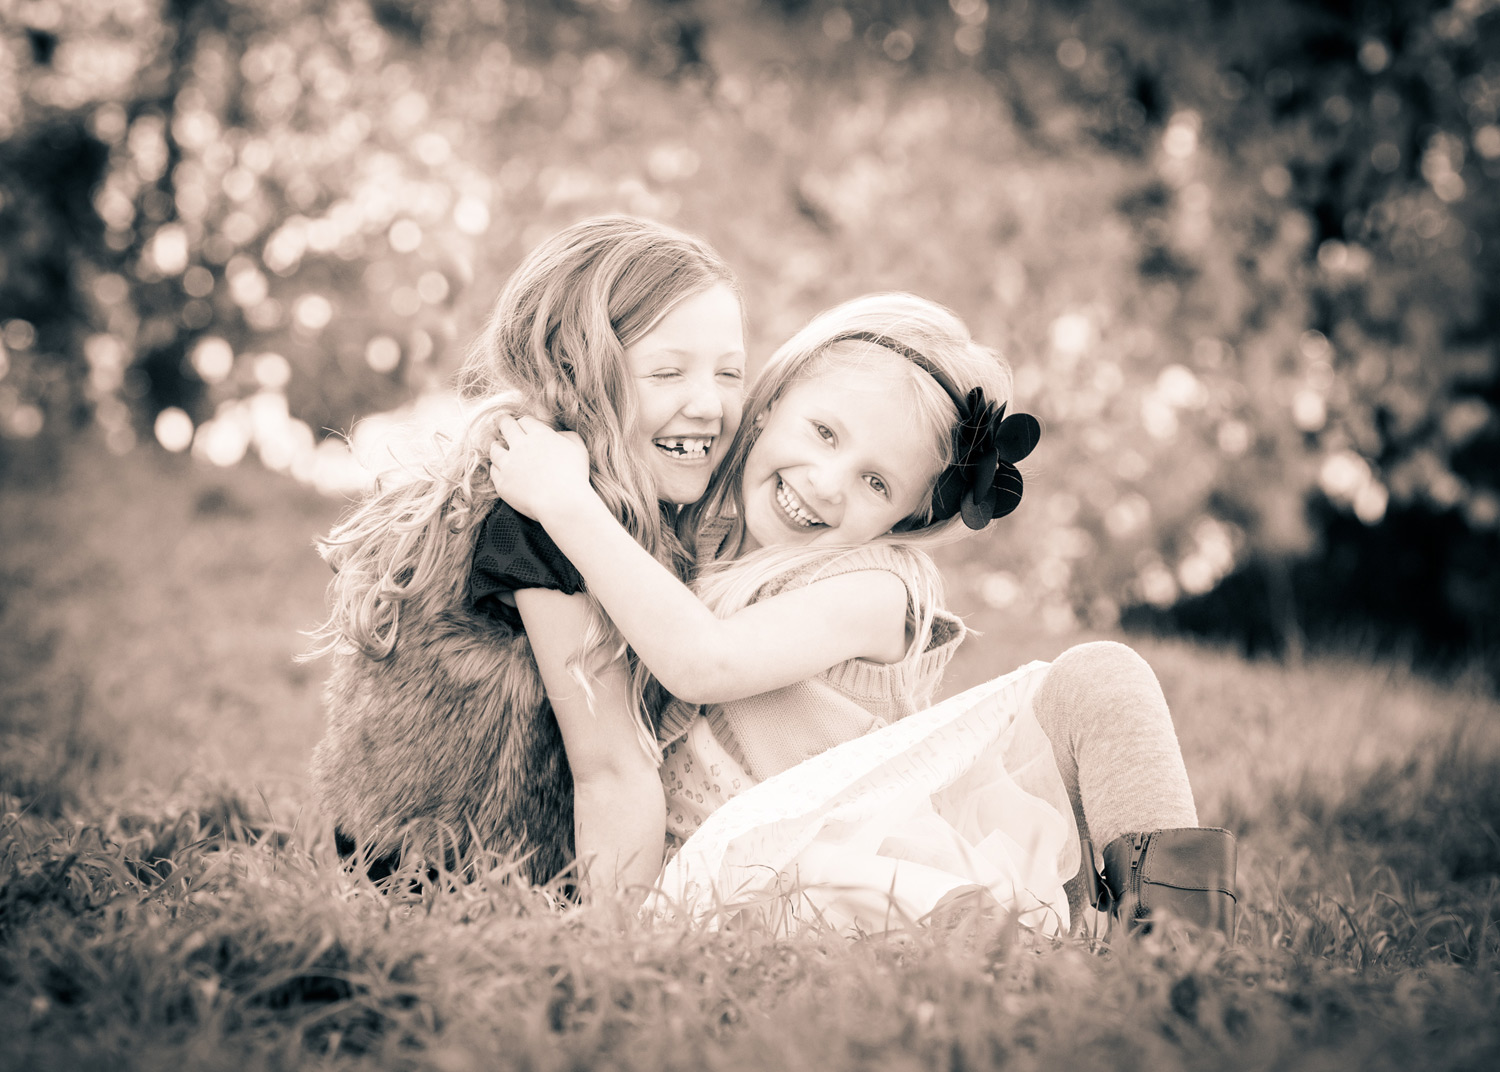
(528, 424)
(508, 426)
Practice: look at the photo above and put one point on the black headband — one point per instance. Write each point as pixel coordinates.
(982, 483)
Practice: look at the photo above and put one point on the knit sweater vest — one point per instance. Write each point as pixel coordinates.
(776, 730)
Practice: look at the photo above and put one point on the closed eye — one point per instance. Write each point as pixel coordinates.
(665, 374)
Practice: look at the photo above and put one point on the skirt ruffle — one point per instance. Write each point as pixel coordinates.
(873, 833)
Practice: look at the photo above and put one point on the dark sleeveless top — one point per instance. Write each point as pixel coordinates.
(513, 552)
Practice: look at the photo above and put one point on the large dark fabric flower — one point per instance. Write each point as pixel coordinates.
(983, 482)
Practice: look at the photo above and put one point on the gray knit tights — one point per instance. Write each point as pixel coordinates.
(1103, 709)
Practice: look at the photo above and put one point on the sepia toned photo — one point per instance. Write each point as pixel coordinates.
(749, 534)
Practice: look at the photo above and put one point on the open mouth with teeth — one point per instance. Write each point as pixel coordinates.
(795, 510)
(685, 448)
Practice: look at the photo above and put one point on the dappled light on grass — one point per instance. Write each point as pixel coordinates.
(215, 928)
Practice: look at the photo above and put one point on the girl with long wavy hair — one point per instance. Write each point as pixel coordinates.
(483, 713)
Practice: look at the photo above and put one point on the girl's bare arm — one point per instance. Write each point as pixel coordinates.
(619, 809)
(695, 655)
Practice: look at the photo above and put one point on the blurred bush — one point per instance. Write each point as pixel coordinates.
(1243, 256)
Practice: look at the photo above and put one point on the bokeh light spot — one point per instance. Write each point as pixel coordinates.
(239, 184)
(1314, 345)
(1279, 83)
(1374, 57)
(1179, 387)
(272, 371)
(999, 589)
(109, 121)
(1181, 139)
(1233, 437)
(1487, 141)
(265, 315)
(110, 289)
(198, 281)
(18, 334)
(383, 353)
(1338, 109)
(1072, 54)
(432, 286)
(1127, 516)
(1158, 417)
(24, 422)
(1370, 502)
(1343, 474)
(1309, 411)
(1156, 585)
(471, 215)
(838, 26)
(169, 249)
(174, 429)
(248, 286)
(212, 359)
(405, 236)
(1385, 156)
(224, 439)
(1071, 333)
(432, 149)
(899, 45)
(313, 312)
(1195, 575)
(969, 40)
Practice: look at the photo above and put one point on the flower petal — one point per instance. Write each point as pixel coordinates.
(983, 477)
(1008, 488)
(947, 493)
(1017, 436)
(976, 514)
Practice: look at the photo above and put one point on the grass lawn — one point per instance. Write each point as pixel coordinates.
(167, 898)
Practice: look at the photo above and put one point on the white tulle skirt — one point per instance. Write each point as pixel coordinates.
(871, 835)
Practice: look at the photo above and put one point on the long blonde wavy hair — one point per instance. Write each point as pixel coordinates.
(732, 580)
(554, 348)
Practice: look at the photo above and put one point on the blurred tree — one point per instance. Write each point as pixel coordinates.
(47, 174)
(1243, 256)
(1382, 119)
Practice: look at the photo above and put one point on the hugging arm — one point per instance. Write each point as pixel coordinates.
(619, 810)
(698, 657)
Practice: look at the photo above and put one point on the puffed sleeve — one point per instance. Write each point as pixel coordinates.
(514, 552)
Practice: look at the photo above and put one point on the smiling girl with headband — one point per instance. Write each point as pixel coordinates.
(817, 635)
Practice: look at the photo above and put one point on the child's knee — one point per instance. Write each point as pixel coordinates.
(1103, 660)
(1096, 676)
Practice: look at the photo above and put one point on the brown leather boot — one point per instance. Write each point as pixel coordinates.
(1187, 873)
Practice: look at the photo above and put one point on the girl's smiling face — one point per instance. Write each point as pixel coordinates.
(689, 375)
(842, 458)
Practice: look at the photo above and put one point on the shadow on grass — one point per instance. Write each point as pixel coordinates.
(1432, 816)
(50, 751)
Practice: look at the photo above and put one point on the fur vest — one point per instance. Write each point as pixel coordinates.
(449, 744)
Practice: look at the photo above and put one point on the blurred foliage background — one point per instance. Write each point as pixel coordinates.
(1243, 256)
